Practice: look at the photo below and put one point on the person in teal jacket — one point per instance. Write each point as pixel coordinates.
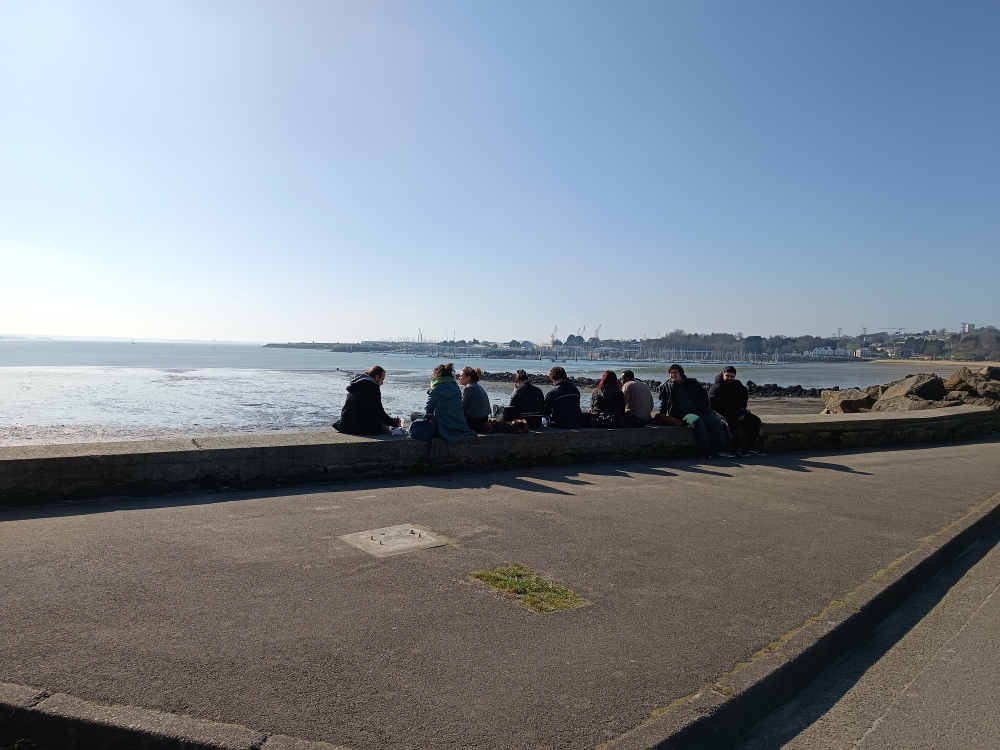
(444, 401)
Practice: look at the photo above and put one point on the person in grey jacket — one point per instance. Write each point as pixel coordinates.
(475, 402)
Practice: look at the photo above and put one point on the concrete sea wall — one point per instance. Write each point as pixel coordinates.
(47, 473)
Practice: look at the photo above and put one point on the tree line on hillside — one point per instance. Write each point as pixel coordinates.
(981, 344)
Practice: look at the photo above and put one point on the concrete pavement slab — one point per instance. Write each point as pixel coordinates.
(247, 607)
(928, 677)
(955, 700)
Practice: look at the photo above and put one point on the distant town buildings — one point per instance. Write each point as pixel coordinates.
(826, 351)
(970, 343)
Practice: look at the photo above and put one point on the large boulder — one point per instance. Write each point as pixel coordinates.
(959, 381)
(991, 403)
(875, 391)
(965, 386)
(990, 373)
(851, 401)
(906, 402)
(923, 386)
(989, 389)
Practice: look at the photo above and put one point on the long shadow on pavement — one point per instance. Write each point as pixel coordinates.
(524, 479)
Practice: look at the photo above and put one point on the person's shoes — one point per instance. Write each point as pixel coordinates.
(754, 453)
(707, 457)
(726, 454)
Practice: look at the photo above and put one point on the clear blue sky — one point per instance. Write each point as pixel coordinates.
(348, 170)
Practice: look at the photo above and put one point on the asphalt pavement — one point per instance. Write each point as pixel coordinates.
(248, 608)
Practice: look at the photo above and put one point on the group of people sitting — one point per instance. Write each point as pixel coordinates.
(460, 407)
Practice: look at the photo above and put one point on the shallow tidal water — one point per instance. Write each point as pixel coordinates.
(72, 391)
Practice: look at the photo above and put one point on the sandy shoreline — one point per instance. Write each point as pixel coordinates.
(938, 363)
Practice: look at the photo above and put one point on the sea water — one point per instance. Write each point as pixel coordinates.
(80, 391)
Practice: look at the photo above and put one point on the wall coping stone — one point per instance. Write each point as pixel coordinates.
(46, 473)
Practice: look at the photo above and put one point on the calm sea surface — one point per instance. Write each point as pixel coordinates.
(70, 391)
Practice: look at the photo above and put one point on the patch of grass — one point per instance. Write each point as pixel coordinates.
(531, 590)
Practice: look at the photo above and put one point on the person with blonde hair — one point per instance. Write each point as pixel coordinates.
(362, 413)
(475, 401)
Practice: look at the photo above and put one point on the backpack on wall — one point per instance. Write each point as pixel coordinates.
(607, 419)
(423, 429)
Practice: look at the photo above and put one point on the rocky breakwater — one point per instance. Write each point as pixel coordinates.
(756, 391)
(921, 391)
(540, 379)
(773, 390)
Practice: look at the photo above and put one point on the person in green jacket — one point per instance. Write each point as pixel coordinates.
(444, 401)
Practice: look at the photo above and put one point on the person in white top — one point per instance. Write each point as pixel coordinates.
(638, 398)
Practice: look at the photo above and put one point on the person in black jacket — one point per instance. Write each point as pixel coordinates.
(526, 402)
(683, 398)
(729, 397)
(363, 413)
(562, 403)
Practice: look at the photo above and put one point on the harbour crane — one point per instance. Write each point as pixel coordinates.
(552, 338)
(597, 333)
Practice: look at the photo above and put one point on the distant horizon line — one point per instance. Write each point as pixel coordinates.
(263, 342)
(115, 339)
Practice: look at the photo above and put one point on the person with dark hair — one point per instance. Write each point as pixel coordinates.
(729, 397)
(362, 413)
(607, 404)
(638, 397)
(683, 398)
(475, 401)
(444, 403)
(526, 402)
(562, 402)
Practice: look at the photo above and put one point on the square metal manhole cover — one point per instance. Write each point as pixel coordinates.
(394, 540)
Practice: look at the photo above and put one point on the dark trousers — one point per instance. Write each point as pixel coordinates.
(475, 423)
(750, 423)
